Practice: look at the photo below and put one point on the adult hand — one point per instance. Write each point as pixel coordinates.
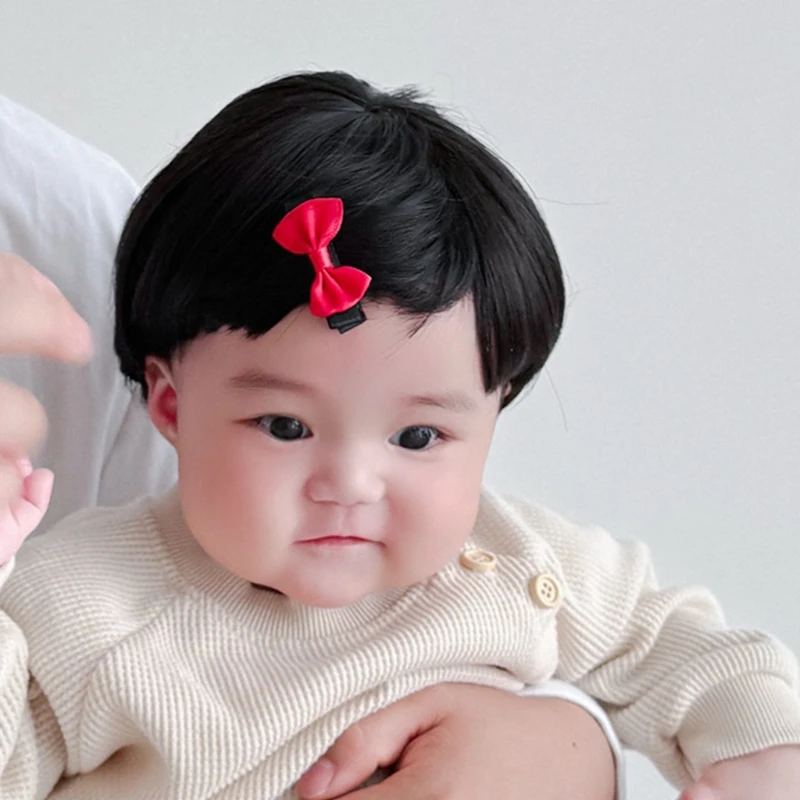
(469, 742)
(35, 320)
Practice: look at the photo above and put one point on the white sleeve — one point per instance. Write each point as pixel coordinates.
(139, 460)
(62, 207)
(566, 691)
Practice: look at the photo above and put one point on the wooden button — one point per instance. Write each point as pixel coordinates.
(545, 591)
(478, 560)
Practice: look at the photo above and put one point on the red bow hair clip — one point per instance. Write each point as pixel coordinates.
(336, 292)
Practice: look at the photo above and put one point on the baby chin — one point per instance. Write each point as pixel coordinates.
(331, 572)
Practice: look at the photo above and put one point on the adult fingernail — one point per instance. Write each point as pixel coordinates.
(318, 778)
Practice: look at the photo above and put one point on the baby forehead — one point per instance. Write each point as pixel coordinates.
(389, 338)
(388, 354)
(397, 362)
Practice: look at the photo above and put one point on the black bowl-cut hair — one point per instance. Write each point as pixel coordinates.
(429, 212)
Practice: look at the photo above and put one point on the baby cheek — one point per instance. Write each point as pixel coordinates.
(460, 500)
(459, 511)
(212, 466)
(446, 507)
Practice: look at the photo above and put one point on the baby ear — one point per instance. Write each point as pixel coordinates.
(162, 398)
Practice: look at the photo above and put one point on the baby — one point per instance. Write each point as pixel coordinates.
(327, 298)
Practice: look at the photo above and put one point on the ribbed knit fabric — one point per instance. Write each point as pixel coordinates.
(133, 666)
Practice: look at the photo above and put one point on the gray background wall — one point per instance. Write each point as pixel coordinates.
(661, 139)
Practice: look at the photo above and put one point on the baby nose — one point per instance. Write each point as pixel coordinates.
(347, 480)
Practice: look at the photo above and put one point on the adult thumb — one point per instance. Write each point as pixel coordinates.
(376, 741)
(699, 791)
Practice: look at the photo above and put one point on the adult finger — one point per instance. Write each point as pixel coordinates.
(23, 423)
(376, 741)
(36, 318)
(422, 772)
(699, 791)
(403, 785)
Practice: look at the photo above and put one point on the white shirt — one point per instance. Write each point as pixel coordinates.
(62, 206)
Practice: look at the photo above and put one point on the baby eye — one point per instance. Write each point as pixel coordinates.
(416, 437)
(285, 429)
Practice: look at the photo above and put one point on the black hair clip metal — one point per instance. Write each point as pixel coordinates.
(307, 229)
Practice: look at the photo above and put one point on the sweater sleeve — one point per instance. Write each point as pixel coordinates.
(33, 754)
(678, 684)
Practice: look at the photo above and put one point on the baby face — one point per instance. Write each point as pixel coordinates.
(329, 466)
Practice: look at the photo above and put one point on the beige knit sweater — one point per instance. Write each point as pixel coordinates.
(133, 666)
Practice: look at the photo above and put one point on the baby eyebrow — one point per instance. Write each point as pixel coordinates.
(258, 380)
(449, 401)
